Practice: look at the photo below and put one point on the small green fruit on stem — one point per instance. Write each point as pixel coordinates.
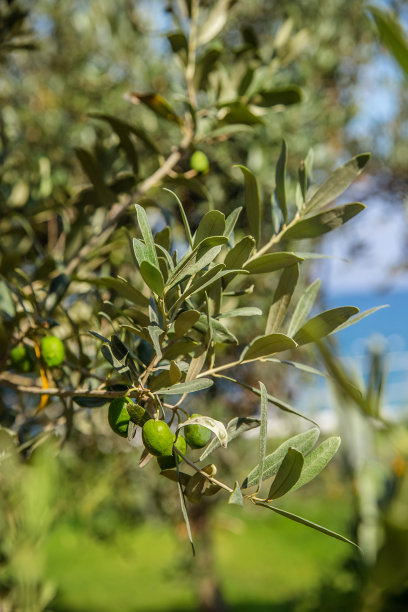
(157, 438)
(22, 358)
(199, 162)
(167, 462)
(118, 416)
(197, 436)
(138, 414)
(52, 351)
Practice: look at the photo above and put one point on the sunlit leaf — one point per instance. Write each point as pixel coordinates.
(236, 427)
(281, 299)
(263, 433)
(303, 521)
(324, 222)
(212, 224)
(185, 321)
(303, 442)
(280, 180)
(338, 182)
(236, 496)
(215, 426)
(271, 262)
(324, 324)
(304, 306)
(317, 460)
(267, 345)
(191, 387)
(152, 277)
(146, 231)
(392, 35)
(287, 475)
(252, 203)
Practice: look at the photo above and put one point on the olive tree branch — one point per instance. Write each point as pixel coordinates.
(16, 383)
(118, 210)
(207, 476)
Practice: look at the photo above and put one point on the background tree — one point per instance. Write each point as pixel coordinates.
(65, 247)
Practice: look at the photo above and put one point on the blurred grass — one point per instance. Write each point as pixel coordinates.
(262, 560)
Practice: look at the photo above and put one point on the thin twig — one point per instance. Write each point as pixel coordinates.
(207, 476)
(118, 210)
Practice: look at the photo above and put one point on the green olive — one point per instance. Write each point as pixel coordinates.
(157, 438)
(197, 436)
(52, 351)
(167, 462)
(118, 416)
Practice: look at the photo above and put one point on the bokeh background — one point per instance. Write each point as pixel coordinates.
(93, 532)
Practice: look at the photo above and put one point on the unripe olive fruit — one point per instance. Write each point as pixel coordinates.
(52, 351)
(22, 358)
(167, 462)
(199, 162)
(157, 438)
(118, 416)
(138, 414)
(196, 436)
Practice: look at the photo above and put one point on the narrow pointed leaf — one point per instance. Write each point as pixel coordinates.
(237, 256)
(361, 315)
(280, 179)
(236, 496)
(236, 427)
(252, 203)
(197, 363)
(304, 306)
(288, 474)
(392, 35)
(307, 523)
(185, 321)
(281, 299)
(263, 433)
(157, 104)
(271, 262)
(184, 512)
(219, 332)
(212, 224)
(215, 426)
(155, 332)
(215, 21)
(140, 251)
(152, 277)
(303, 443)
(300, 366)
(120, 286)
(146, 231)
(267, 345)
(239, 253)
(190, 387)
(231, 221)
(324, 324)
(245, 311)
(282, 405)
(183, 216)
(174, 373)
(324, 222)
(317, 460)
(94, 173)
(338, 182)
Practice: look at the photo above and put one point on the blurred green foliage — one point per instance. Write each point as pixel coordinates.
(84, 121)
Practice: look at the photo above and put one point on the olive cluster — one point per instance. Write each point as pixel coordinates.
(52, 350)
(157, 436)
